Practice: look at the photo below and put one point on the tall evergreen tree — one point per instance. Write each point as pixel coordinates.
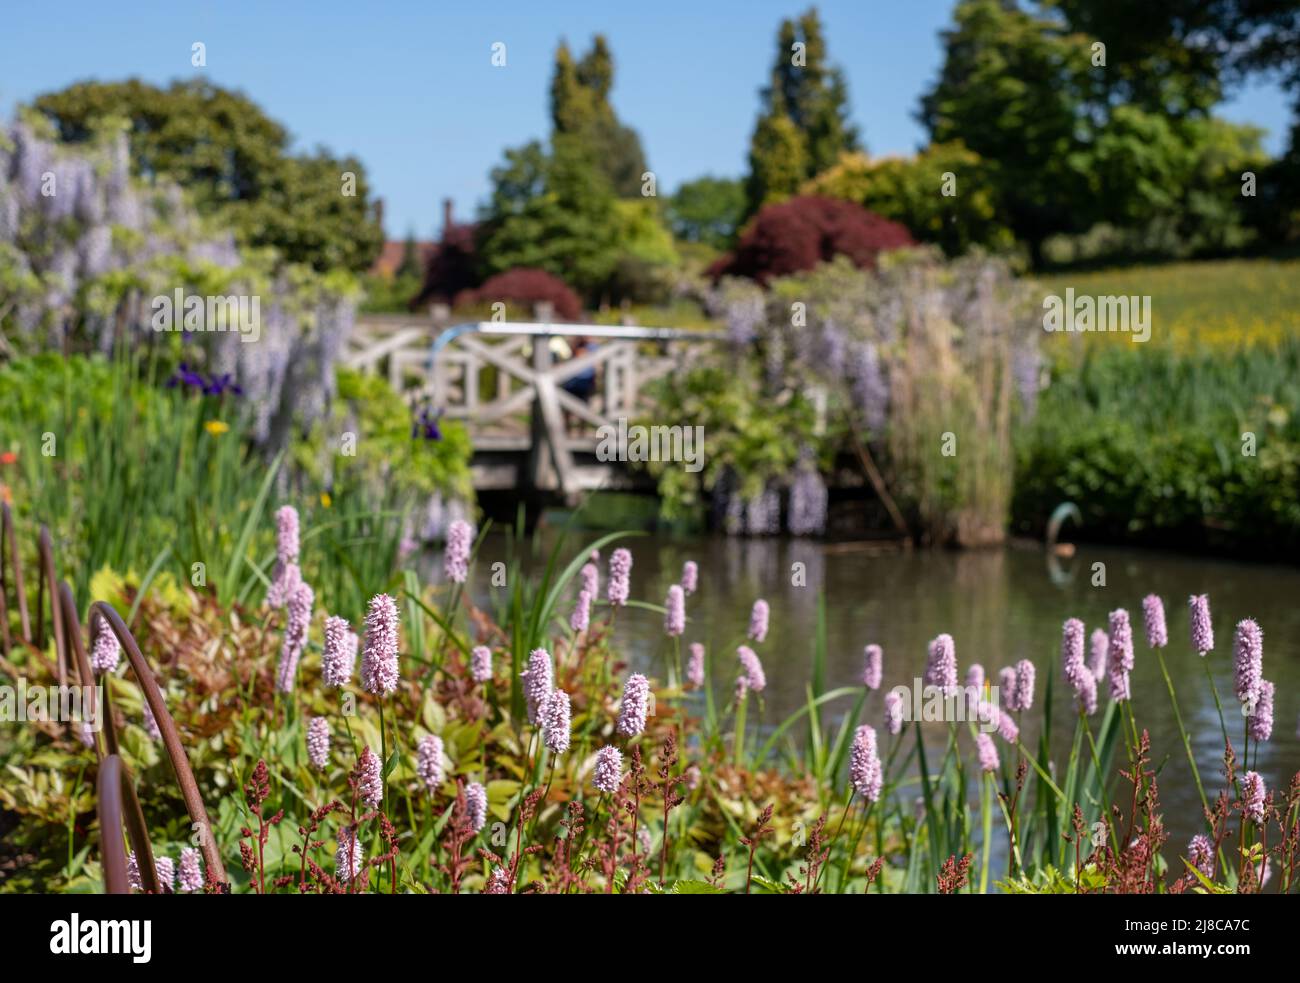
(803, 126)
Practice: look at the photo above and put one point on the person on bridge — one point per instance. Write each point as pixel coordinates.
(582, 385)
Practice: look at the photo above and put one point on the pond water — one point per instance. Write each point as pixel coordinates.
(1000, 606)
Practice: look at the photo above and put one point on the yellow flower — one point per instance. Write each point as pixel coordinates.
(325, 499)
(216, 427)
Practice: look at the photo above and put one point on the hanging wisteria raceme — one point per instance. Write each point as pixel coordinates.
(428, 765)
(379, 671)
(1153, 619)
(455, 559)
(1202, 628)
(339, 653)
(808, 499)
(695, 665)
(872, 666)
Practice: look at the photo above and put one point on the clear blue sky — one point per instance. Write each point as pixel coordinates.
(410, 89)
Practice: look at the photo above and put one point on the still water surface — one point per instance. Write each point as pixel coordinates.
(1000, 606)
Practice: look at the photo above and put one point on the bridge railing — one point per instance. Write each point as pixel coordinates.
(505, 381)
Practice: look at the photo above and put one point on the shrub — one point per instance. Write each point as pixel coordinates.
(794, 236)
(527, 287)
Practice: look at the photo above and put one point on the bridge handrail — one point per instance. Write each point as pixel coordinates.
(621, 331)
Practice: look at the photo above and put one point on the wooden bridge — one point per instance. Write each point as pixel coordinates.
(505, 380)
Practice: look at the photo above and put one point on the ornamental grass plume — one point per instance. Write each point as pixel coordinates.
(476, 803)
(1252, 796)
(1007, 687)
(1202, 628)
(632, 711)
(480, 664)
(349, 858)
(428, 763)
(580, 620)
(379, 673)
(755, 678)
(608, 772)
(873, 658)
(455, 558)
(339, 653)
(620, 577)
(1024, 685)
(1098, 654)
(190, 874)
(107, 650)
(675, 612)
(941, 669)
(556, 723)
(865, 772)
(894, 711)
(1153, 618)
(690, 576)
(988, 752)
(1200, 852)
(1248, 661)
(1261, 717)
(539, 680)
(695, 665)
(318, 743)
(370, 779)
(295, 635)
(1121, 642)
(758, 620)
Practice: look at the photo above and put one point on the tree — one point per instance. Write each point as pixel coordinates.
(803, 125)
(707, 210)
(236, 163)
(580, 108)
(410, 265)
